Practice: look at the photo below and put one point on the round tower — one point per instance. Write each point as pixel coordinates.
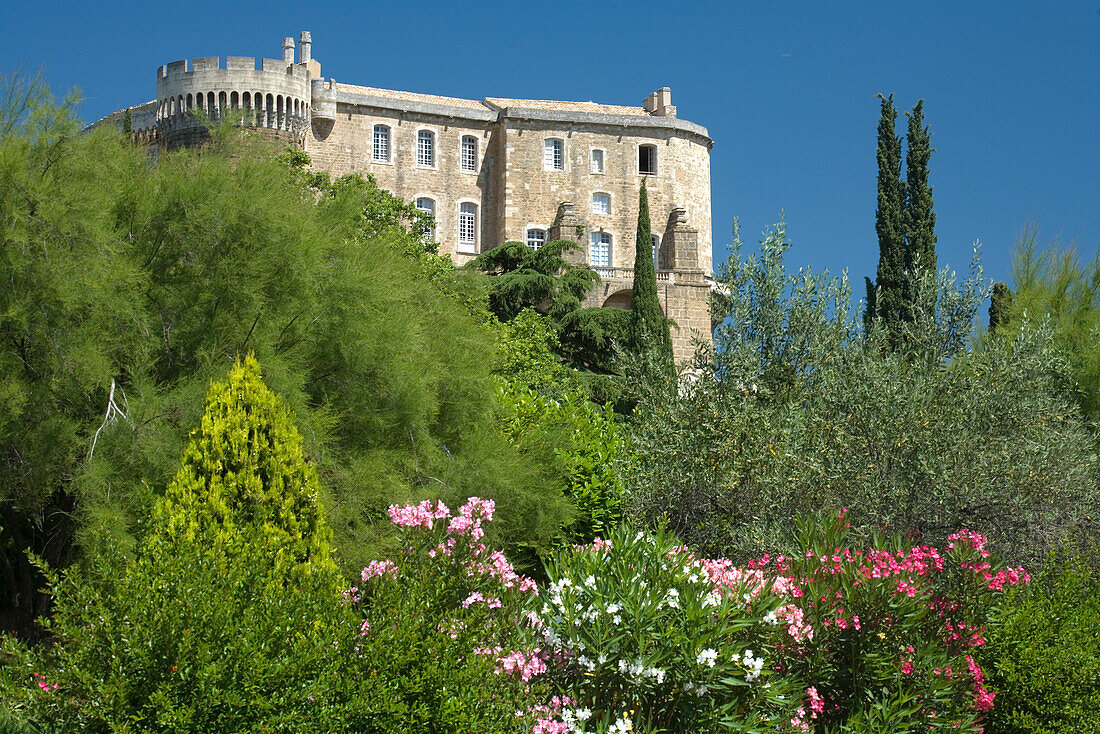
(275, 97)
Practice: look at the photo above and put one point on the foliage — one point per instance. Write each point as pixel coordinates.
(244, 467)
(548, 409)
(541, 279)
(794, 414)
(155, 278)
(590, 337)
(893, 628)
(1043, 653)
(920, 219)
(906, 227)
(646, 638)
(587, 444)
(443, 625)
(224, 620)
(1053, 284)
(649, 326)
(1000, 304)
(885, 297)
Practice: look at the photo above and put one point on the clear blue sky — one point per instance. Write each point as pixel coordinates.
(786, 89)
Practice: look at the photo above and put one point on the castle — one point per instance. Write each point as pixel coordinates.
(490, 171)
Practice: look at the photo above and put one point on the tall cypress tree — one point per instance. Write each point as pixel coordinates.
(649, 325)
(920, 219)
(890, 218)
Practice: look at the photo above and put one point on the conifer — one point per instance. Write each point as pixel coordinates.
(649, 325)
(919, 216)
(890, 305)
(244, 479)
(1000, 304)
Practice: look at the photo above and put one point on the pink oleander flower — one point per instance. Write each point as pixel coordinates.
(380, 568)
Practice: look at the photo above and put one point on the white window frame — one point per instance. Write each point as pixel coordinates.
(605, 196)
(432, 210)
(434, 147)
(592, 161)
(550, 159)
(462, 154)
(638, 159)
(374, 143)
(467, 247)
(599, 239)
(528, 239)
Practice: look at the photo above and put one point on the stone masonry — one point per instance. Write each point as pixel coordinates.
(490, 170)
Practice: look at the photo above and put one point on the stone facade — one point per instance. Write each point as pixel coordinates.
(491, 170)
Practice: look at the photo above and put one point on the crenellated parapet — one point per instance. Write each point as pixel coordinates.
(268, 93)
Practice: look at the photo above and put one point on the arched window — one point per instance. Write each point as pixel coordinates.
(536, 238)
(427, 205)
(210, 107)
(223, 103)
(468, 154)
(599, 250)
(553, 154)
(595, 161)
(601, 203)
(190, 101)
(656, 240)
(380, 147)
(425, 148)
(467, 227)
(647, 160)
(234, 100)
(246, 100)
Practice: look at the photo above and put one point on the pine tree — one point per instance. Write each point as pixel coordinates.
(649, 325)
(244, 478)
(919, 217)
(890, 305)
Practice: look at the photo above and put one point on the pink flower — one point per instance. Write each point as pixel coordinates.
(380, 568)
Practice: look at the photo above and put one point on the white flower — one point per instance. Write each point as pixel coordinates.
(712, 599)
(707, 657)
(583, 714)
(613, 608)
(590, 581)
(771, 619)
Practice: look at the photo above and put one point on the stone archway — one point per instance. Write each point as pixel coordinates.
(619, 299)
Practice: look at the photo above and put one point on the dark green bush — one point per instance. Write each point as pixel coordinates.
(1044, 653)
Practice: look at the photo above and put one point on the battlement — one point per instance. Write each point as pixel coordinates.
(268, 93)
(233, 64)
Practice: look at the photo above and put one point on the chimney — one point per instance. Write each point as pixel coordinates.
(663, 104)
(288, 50)
(650, 104)
(305, 42)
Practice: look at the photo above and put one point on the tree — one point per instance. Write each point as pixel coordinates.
(920, 219)
(886, 297)
(1000, 306)
(649, 325)
(130, 287)
(243, 473)
(906, 226)
(541, 279)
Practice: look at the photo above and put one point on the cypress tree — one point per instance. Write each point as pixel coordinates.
(649, 325)
(1000, 303)
(919, 216)
(890, 304)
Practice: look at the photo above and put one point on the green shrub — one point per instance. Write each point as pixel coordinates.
(1044, 653)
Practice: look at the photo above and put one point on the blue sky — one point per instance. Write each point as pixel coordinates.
(786, 89)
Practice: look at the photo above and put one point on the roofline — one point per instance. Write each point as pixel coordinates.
(493, 114)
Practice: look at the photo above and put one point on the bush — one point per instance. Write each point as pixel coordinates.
(1044, 653)
(645, 637)
(894, 628)
(443, 627)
